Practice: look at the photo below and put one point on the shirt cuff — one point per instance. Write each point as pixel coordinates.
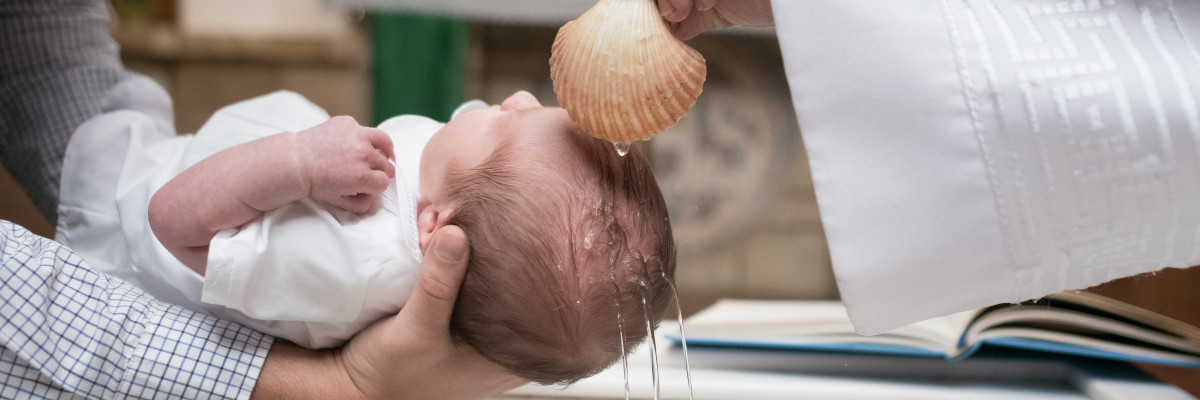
(197, 354)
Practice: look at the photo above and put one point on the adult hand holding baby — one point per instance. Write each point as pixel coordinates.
(343, 163)
(408, 356)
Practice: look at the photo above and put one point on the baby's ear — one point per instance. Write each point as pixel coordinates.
(429, 219)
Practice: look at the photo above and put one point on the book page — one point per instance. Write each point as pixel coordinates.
(1072, 327)
(1176, 327)
(812, 324)
(1087, 324)
(1059, 342)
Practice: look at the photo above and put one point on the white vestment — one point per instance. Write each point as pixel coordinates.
(973, 152)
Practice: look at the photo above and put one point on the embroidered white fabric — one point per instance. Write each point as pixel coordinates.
(973, 152)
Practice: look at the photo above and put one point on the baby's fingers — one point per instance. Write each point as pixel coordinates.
(378, 162)
(382, 142)
(358, 204)
(359, 193)
(372, 182)
(376, 181)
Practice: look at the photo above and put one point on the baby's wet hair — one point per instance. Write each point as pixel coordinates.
(564, 261)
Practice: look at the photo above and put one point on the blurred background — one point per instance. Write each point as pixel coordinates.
(733, 170)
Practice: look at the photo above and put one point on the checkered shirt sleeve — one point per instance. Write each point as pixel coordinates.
(70, 332)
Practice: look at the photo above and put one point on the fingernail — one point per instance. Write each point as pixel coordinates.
(451, 244)
(666, 8)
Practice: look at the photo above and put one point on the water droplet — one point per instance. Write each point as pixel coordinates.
(623, 148)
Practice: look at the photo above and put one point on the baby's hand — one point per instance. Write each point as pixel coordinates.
(343, 163)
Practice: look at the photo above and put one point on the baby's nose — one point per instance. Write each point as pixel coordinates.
(520, 100)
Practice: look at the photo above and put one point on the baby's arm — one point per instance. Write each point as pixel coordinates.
(338, 162)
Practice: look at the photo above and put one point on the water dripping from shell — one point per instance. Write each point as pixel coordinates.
(654, 377)
(623, 148)
(687, 365)
(620, 325)
(624, 355)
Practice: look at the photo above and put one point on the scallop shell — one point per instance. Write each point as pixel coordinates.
(620, 73)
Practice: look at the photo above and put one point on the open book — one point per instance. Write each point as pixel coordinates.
(1073, 322)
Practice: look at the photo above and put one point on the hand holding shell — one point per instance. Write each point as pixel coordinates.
(620, 73)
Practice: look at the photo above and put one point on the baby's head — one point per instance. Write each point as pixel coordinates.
(565, 236)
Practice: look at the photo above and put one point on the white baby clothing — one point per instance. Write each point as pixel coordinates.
(306, 272)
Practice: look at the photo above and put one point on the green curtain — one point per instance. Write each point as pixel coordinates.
(418, 65)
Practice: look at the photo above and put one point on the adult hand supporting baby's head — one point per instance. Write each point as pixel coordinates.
(689, 18)
(412, 355)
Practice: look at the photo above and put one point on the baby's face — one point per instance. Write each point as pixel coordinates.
(468, 139)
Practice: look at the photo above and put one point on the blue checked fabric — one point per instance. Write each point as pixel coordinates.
(70, 332)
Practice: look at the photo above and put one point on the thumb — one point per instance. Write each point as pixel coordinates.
(441, 275)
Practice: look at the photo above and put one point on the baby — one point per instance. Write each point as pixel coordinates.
(314, 233)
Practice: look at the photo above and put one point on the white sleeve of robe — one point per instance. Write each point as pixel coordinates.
(973, 152)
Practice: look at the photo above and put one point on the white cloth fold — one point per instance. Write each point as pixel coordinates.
(973, 152)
